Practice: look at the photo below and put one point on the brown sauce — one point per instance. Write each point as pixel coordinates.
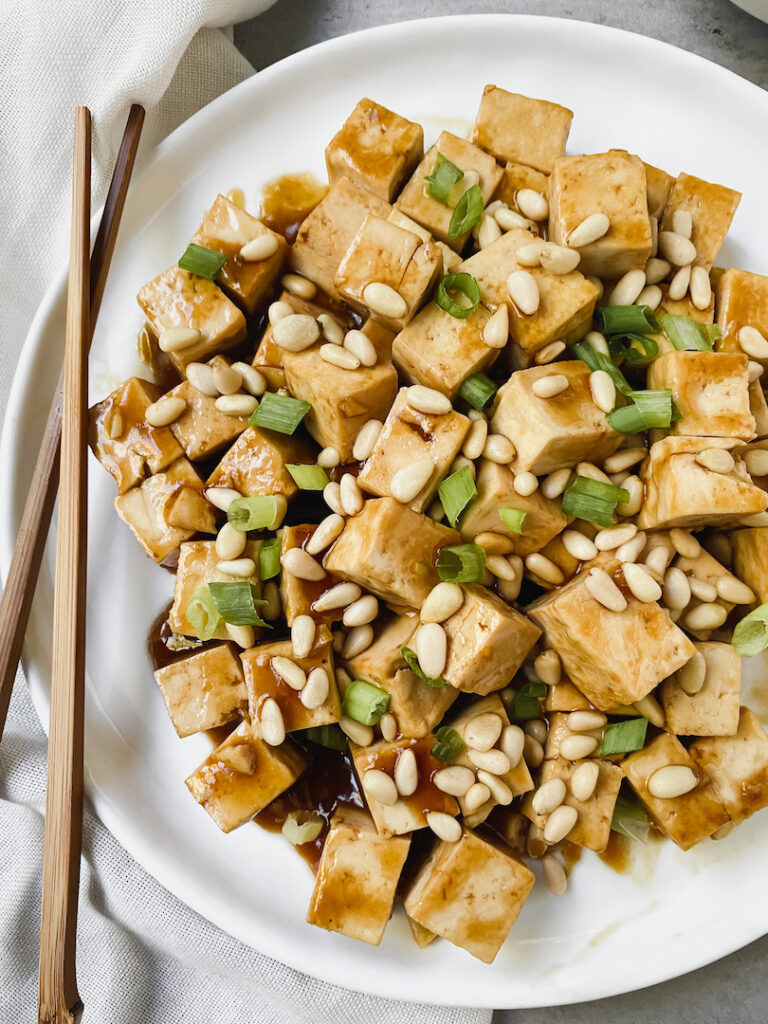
(618, 853)
(427, 796)
(161, 635)
(285, 202)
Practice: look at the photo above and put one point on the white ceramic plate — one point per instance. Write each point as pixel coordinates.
(611, 933)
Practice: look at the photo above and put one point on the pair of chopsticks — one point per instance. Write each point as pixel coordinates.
(65, 431)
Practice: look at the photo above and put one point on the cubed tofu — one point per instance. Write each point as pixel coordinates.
(375, 148)
(552, 433)
(714, 710)
(226, 228)
(418, 708)
(742, 301)
(687, 819)
(268, 359)
(255, 464)
(488, 641)
(451, 259)
(679, 491)
(326, 234)
(750, 558)
(204, 690)
(517, 177)
(242, 775)
(564, 696)
(522, 129)
(712, 208)
(471, 893)
(415, 202)
(659, 186)
(298, 596)
(202, 430)
(737, 766)
(123, 441)
(682, 307)
(593, 825)
(704, 567)
(407, 436)
(495, 490)
(198, 567)
(711, 390)
(566, 303)
(612, 657)
(357, 877)
(390, 550)
(179, 299)
(409, 813)
(612, 183)
(384, 253)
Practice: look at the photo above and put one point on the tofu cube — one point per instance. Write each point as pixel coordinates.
(522, 129)
(123, 441)
(552, 433)
(593, 825)
(407, 436)
(415, 202)
(451, 259)
(712, 208)
(517, 177)
(612, 183)
(197, 568)
(179, 299)
(375, 148)
(742, 301)
(564, 696)
(750, 558)
(714, 710)
(202, 430)
(298, 596)
(711, 390)
(204, 690)
(242, 775)
(681, 492)
(687, 819)
(644, 646)
(390, 550)
(737, 766)
(255, 464)
(682, 307)
(470, 893)
(659, 185)
(357, 877)
(703, 567)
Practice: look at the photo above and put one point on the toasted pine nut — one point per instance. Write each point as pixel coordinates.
(734, 591)
(431, 646)
(279, 311)
(534, 845)
(554, 485)
(328, 458)
(586, 721)
(338, 356)
(384, 300)
(483, 731)
(548, 796)
(500, 791)
(325, 534)
(631, 550)
(316, 690)
(351, 496)
(525, 484)
(271, 722)
(592, 228)
(360, 734)
(533, 752)
(682, 223)
(475, 439)
(243, 636)
(236, 405)
(164, 411)
(173, 339)
(684, 543)
(549, 386)
(549, 353)
(640, 582)
(455, 780)
(701, 288)
(332, 497)
(427, 400)
(577, 746)
(656, 270)
(243, 568)
(508, 219)
(230, 543)
(260, 248)
(627, 288)
(366, 440)
(361, 612)
(604, 590)
(523, 291)
(671, 781)
(753, 343)
(650, 296)
(253, 380)
(358, 639)
(302, 565)
(302, 635)
(496, 330)
(537, 728)
(299, 286)
(444, 826)
(603, 390)
(512, 743)
(443, 601)
(584, 780)
(756, 461)
(723, 831)
(227, 379)
(200, 376)
(221, 497)
(380, 787)
(703, 590)
(759, 519)
(411, 479)
(499, 449)
(657, 559)
(291, 673)
(612, 537)
(706, 616)
(462, 461)
(487, 231)
(692, 675)
(559, 824)
(331, 329)
(361, 347)
(543, 567)
(554, 874)
(597, 341)
(338, 596)
(548, 666)
(634, 485)
(494, 761)
(680, 251)
(529, 254)
(532, 204)
(406, 773)
(623, 459)
(719, 460)
(295, 332)
(477, 795)
(388, 726)
(557, 259)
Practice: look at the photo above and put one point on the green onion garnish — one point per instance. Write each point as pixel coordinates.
(649, 410)
(621, 737)
(269, 558)
(456, 492)
(448, 744)
(364, 702)
(599, 361)
(513, 518)
(279, 412)
(522, 705)
(412, 661)
(259, 512)
(687, 334)
(592, 500)
(751, 634)
(477, 390)
(329, 736)
(202, 614)
(237, 602)
(308, 478)
(630, 820)
(442, 179)
(468, 212)
(469, 288)
(461, 563)
(637, 349)
(201, 261)
(626, 320)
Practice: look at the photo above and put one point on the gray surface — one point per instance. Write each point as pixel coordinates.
(732, 990)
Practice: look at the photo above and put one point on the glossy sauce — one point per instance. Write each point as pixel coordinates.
(285, 202)
(618, 853)
(160, 634)
(427, 796)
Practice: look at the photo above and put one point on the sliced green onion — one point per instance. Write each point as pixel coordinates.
(524, 704)
(469, 288)
(303, 827)
(649, 409)
(626, 319)
(442, 179)
(308, 478)
(751, 634)
(468, 212)
(236, 603)
(513, 518)
(411, 659)
(621, 737)
(202, 614)
(461, 563)
(259, 512)
(477, 390)
(630, 820)
(600, 361)
(456, 492)
(269, 558)
(279, 412)
(448, 744)
(364, 702)
(329, 736)
(637, 349)
(592, 500)
(201, 261)
(687, 334)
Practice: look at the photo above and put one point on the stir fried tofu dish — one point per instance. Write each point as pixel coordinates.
(461, 469)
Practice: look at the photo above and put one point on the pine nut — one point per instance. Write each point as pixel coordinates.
(578, 746)
(406, 773)
(350, 495)
(164, 411)
(388, 726)
(444, 826)
(337, 597)
(360, 734)
(328, 458)
(584, 780)
(754, 371)
(632, 549)
(537, 728)
(408, 481)
(682, 223)
(706, 617)
(692, 675)
(474, 442)
(650, 296)
(680, 283)
(358, 639)
(723, 831)
(613, 537)
(361, 347)
(523, 291)
(548, 796)
(684, 543)
(114, 424)
(243, 568)
(236, 405)
(496, 330)
(443, 601)
(591, 470)
(623, 459)
(532, 204)
(455, 780)
(296, 332)
(260, 248)
(494, 761)
(230, 543)
(482, 732)
(200, 376)
(227, 379)
(756, 461)
(557, 259)
(658, 559)
(380, 787)
(508, 219)
(559, 824)
(332, 498)
(243, 636)
(603, 390)
(315, 692)
(173, 339)
(554, 485)
(627, 288)
(325, 534)
(460, 462)
(299, 286)
(331, 329)
(604, 590)
(252, 380)
(549, 353)
(703, 590)
(759, 519)
(597, 341)
(701, 288)
(302, 635)
(672, 781)
(487, 231)
(533, 752)
(427, 400)
(279, 311)
(586, 721)
(436, 511)
(753, 343)
(543, 567)
(656, 270)
(221, 497)
(384, 300)
(634, 485)
(302, 565)
(734, 591)
(501, 568)
(676, 248)
(431, 646)
(291, 673)
(512, 743)
(499, 449)
(361, 612)
(529, 255)
(340, 357)
(525, 484)
(548, 666)
(271, 722)
(554, 874)
(593, 227)
(640, 582)
(366, 440)
(477, 795)
(549, 386)
(499, 790)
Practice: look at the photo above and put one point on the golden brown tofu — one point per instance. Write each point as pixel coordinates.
(612, 183)
(558, 729)
(687, 819)
(268, 359)
(714, 710)
(198, 567)
(123, 441)
(255, 464)
(712, 208)
(517, 177)
(188, 509)
(375, 148)
(470, 893)
(202, 430)
(522, 129)
(659, 186)
(682, 307)
(357, 877)
(242, 776)
(407, 436)
(742, 301)
(179, 299)
(204, 690)
(564, 696)
(298, 596)
(390, 550)
(552, 433)
(451, 258)
(704, 567)
(750, 558)
(593, 825)
(737, 766)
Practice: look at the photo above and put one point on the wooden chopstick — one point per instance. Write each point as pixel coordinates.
(36, 519)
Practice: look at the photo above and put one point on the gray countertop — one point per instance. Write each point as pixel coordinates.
(733, 990)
